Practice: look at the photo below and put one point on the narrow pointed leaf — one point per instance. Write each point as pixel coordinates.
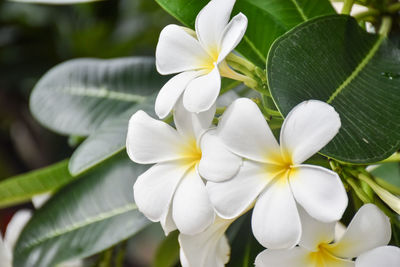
(23, 187)
(77, 96)
(84, 218)
(108, 140)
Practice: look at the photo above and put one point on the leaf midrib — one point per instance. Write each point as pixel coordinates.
(371, 53)
(76, 226)
(102, 93)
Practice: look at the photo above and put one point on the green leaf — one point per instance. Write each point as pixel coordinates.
(86, 217)
(267, 19)
(332, 59)
(167, 254)
(23, 187)
(388, 176)
(77, 96)
(244, 247)
(108, 140)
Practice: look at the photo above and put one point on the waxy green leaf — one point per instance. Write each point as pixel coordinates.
(108, 140)
(84, 218)
(332, 59)
(268, 19)
(23, 187)
(78, 96)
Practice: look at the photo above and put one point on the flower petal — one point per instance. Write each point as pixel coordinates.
(150, 141)
(244, 130)
(308, 128)
(388, 256)
(232, 35)
(208, 248)
(190, 124)
(202, 92)
(192, 210)
(167, 222)
(319, 191)
(15, 227)
(211, 22)
(5, 254)
(171, 91)
(370, 228)
(153, 190)
(275, 221)
(217, 163)
(178, 51)
(314, 232)
(294, 257)
(233, 197)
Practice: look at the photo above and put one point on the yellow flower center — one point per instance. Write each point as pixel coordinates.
(281, 166)
(208, 63)
(322, 257)
(191, 153)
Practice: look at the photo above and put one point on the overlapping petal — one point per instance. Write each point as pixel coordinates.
(154, 189)
(319, 191)
(171, 91)
(5, 254)
(202, 92)
(294, 257)
(245, 131)
(307, 129)
(150, 141)
(232, 197)
(167, 222)
(217, 162)
(192, 124)
(370, 228)
(314, 232)
(192, 210)
(387, 256)
(178, 51)
(275, 220)
(232, 35)
(209, 248)
(211, 22)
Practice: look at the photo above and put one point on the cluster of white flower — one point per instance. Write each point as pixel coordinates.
(207, 176)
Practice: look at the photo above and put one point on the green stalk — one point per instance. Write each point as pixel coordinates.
(347, 6)
(369, 13)
(391, 200)
(385, 26)
(393, 8)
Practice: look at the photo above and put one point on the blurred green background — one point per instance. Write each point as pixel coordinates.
(34, 38)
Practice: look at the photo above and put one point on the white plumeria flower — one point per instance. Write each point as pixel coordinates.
(200, 61)
(388, 256)
(14, 228)
(172, 192)
(209, 248)
(369, 229)
(273, 176)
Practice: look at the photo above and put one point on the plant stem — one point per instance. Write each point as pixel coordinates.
(393, 8)
(369, 13)
(347, 6)
(385, 26)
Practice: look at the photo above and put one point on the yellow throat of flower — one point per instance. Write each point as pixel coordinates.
(322, 258)
(281, 166)
(191, 153)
